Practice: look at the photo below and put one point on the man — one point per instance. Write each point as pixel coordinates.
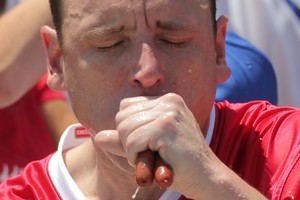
(275, 30)
(142, 75)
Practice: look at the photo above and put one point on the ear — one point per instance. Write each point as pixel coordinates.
(223, 71)
(54, 58)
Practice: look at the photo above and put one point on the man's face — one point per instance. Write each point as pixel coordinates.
(115, 49)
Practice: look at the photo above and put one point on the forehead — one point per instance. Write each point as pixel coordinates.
(108, 4)
(84, 13)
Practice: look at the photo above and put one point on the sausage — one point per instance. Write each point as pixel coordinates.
(149, 162)
(163, 173)
(144, 168)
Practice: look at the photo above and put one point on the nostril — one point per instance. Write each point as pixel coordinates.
(137, 82)
(149, 80)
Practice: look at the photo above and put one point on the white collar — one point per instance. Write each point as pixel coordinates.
(59, 175)
(75, 135)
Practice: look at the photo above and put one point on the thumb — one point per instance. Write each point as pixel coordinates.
(109, 140)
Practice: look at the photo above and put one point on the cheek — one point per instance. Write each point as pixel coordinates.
(94, 97)
(95, 111)
(96, 102)
(194, 73)
(197, 85)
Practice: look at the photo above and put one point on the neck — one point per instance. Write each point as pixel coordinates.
(100, 175)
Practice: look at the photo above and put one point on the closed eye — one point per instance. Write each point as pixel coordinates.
(174, 44)
(110, 47)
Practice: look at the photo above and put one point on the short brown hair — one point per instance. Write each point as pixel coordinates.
(56, 11)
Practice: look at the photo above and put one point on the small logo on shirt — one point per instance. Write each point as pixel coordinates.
(81, 132)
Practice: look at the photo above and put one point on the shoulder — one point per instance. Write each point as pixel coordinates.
(257, 115)
(261, 142)
(256, 109)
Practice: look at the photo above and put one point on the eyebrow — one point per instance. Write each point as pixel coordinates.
(102, 30)
(172, 26)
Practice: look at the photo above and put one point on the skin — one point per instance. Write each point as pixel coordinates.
(142, 75)
(23, 60)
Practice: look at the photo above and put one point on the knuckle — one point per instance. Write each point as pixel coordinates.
(172, 100)
(124, 103)
(118, 118)
(169, 121)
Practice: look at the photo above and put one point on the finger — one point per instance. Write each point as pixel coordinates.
(135, 117)
(140, 140)
(134, 108)
(109, 140)
(131, 130)
(133, 100)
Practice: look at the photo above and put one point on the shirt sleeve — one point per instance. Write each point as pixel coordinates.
(32, 183)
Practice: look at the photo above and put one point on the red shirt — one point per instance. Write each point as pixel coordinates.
(24, 132)
(260, 142)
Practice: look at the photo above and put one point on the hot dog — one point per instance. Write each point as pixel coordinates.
(163, 173)
(150, 166)
(144, 168)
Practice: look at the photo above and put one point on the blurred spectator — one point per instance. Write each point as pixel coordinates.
(30, 128)
(252, 78)
(23, 60)
(274, 27)
(32, 117)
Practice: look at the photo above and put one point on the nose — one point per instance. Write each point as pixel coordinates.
(147, 73)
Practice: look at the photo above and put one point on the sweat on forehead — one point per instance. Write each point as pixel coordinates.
(57, 12)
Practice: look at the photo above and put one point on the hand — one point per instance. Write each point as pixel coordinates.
(163, 124)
